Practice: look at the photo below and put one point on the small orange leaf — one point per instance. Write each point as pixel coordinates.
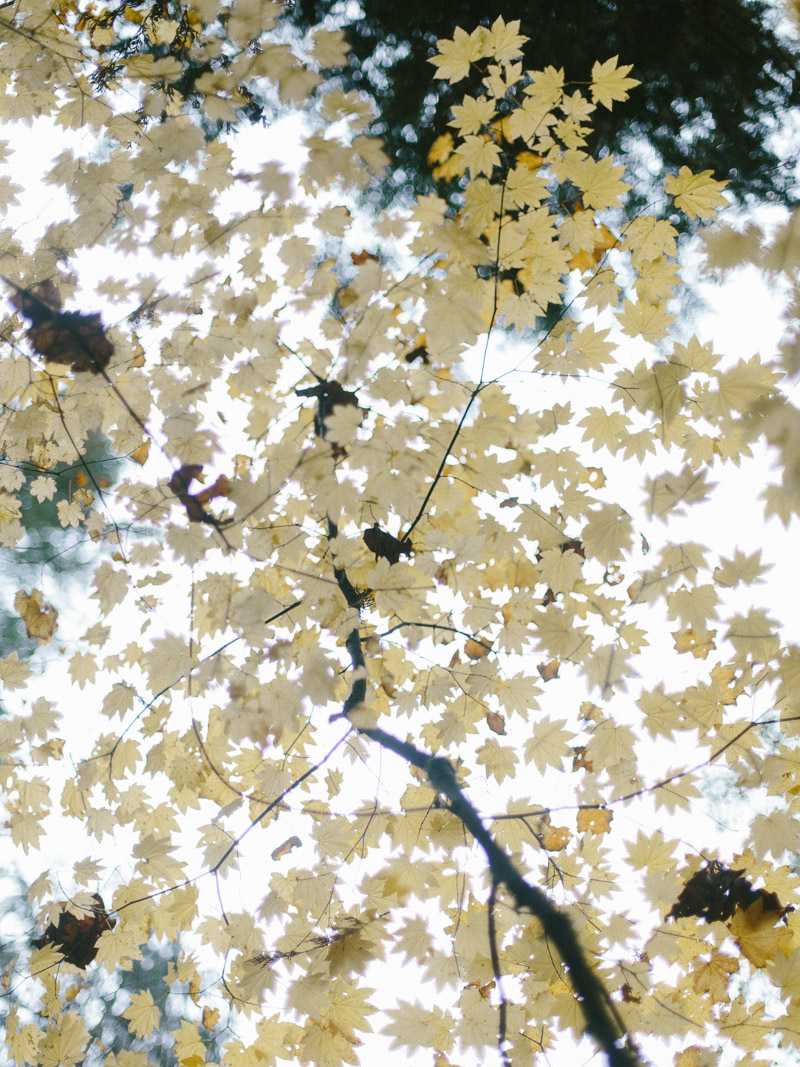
(549, 671)
(579, 760)
(441, 148)
(495, 722)
(287, 846)
(361, 257)
(594, 820)
(604, 240)
(698, 644)
(556, 838)
(140, 454)
(221, 487)
(530, 160)
(210, 1017)
(581, 261)
(39, 617)
(477, 649)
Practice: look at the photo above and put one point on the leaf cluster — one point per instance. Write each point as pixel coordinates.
(445, 658)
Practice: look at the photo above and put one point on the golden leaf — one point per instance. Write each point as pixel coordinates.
(595, 820)
(288, 845)
(496, 722)
(39, 617)
(210, 1017)
(555, 838)
(759, 934)
(477, 649)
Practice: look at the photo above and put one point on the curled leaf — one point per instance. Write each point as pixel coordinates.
(287, 846)
(39, 617)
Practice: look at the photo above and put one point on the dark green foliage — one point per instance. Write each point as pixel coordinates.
(715, 78)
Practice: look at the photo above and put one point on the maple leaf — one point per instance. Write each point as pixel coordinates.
(39, 617)
(13, 673)
(457, 55)
(713, 975)
(143, 1014)
(757, 933)
(596, 821)
(698, 195)
(77, 932)
(715, 893)
(258, 277)
(190, 1049)
(72, 338)
(609, 82)
(64, 1042)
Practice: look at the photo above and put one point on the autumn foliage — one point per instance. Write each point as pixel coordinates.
(395, 658)
(76, 932)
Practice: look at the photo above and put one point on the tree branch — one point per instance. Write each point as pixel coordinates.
(602, 1019)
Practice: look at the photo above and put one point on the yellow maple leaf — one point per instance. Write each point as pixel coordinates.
(600, 180)
(39, 617)
(64, 1042)
(13, 674)
(697, 195)
(609, 82)
(695, 1056)
(504, 41)
(698, 644)
(712, 976)
(456, 55)
(480, 154)
(142, 1013)
(759, 934)
(190, 1051)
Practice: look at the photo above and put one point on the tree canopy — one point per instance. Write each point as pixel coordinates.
(716, 77)
(392, 661)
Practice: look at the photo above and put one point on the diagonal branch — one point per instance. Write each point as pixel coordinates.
(602, 1020)
(601, 1017)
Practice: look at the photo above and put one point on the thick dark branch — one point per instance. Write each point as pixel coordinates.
(602, 1019)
